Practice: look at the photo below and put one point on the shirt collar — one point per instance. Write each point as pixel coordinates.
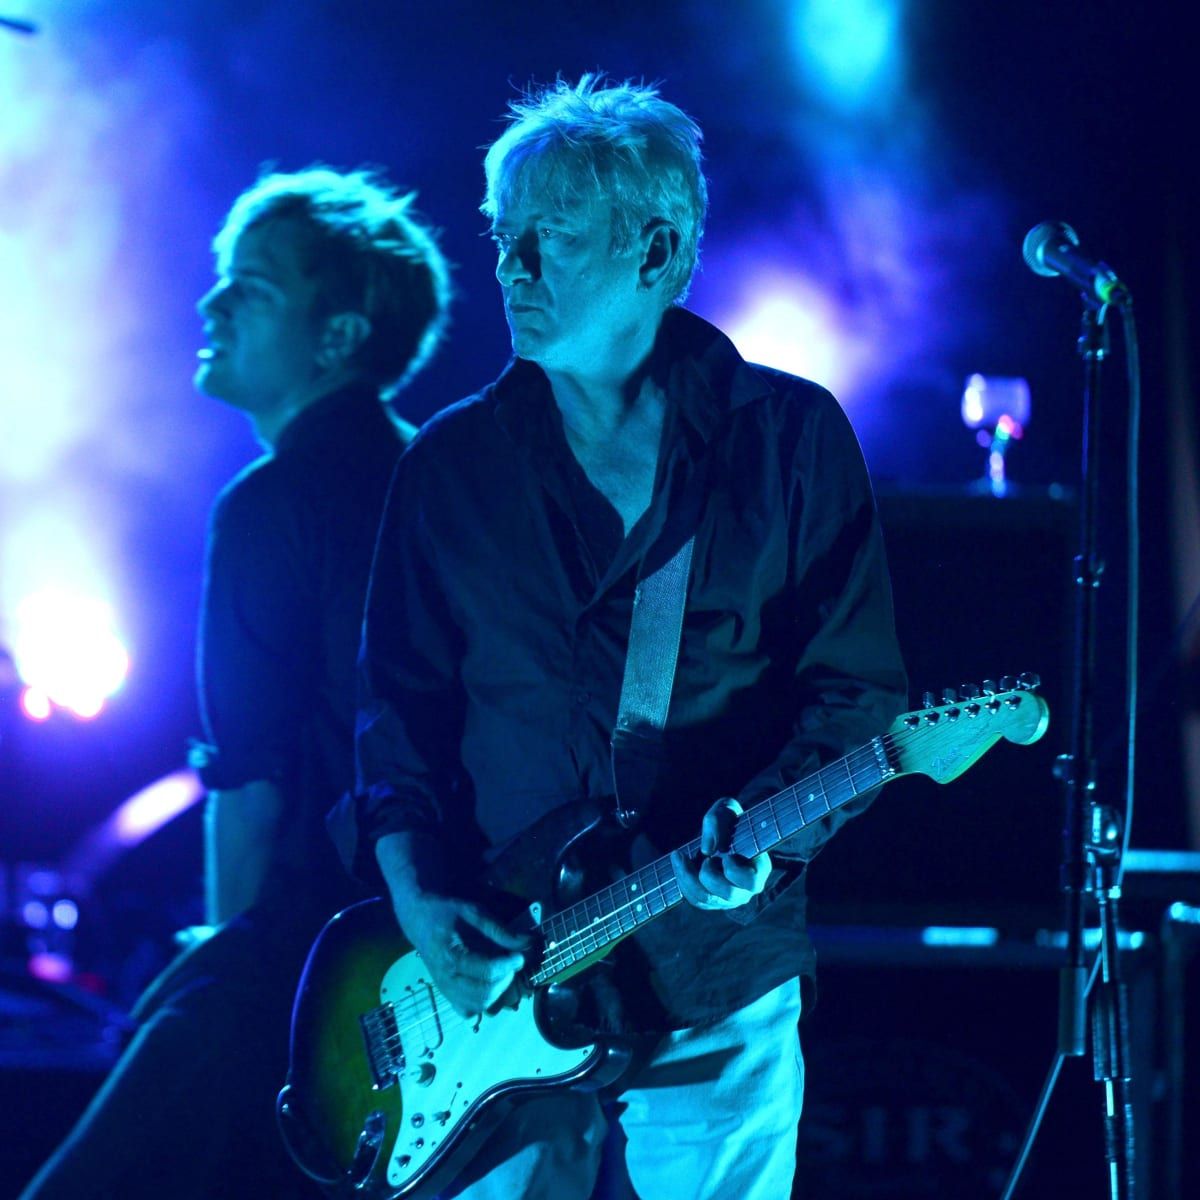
(310, 423)
(704, 376)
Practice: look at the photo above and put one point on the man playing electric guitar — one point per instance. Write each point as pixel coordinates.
(519, 523)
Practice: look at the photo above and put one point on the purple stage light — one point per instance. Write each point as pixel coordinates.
(35, 704)
(989, 398)
(147, 811)
(43, 903)
(998, 407)
(134, 820)
(790, 324)
(96, 232)
(781, 314)
(68, 652)
(50, 967)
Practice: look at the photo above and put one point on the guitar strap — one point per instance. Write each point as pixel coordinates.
(654, 636)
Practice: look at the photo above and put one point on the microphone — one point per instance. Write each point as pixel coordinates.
(1052, 248)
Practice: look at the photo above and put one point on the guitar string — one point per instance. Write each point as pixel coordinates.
(578, 943)
(598, 931)
(581, 942)
(564, 952)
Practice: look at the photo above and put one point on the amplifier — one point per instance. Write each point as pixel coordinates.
(926, 1051)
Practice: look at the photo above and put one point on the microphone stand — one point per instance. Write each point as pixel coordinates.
(1092, 834)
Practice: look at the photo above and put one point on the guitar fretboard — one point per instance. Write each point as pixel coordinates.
(586, 929)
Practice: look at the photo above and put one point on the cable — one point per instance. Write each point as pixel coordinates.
(1043, 1102)
(18, 25)
(1132, 616)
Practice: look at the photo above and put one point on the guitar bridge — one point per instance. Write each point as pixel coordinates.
(385, 1054)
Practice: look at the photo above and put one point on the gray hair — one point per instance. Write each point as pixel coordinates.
(619, 143)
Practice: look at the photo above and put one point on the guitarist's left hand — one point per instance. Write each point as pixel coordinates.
(718, 878)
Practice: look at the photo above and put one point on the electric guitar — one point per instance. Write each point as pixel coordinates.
(390, 1091)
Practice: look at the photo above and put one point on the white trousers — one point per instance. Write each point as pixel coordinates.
(712, 1116)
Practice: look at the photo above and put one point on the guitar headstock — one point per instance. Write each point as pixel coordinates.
(943, 740)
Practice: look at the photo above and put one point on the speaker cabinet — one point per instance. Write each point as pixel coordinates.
(924, 1065)
(982, 588)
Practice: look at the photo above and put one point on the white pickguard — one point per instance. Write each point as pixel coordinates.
(452, 1062)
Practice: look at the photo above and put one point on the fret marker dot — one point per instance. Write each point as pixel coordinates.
(812, 795)
(633, 887)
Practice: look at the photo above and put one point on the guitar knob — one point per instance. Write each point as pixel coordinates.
(927, 700)
(1008, 683)
(1029, 680)
(969, 691)
(949, 696)
(989, 687)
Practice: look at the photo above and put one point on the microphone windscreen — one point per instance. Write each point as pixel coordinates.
(1041, 236)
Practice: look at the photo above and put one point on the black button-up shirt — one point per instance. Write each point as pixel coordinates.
(498, 616)
(289, 551)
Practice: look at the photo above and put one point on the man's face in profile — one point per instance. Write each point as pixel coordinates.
(258, 321)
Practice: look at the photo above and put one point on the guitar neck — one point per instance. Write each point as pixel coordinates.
(585, 930)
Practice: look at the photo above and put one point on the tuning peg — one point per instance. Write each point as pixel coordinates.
(927, 700)
(949, 696)
(969, 691)
(1029, 680)
(1008, 683)
(989, 687)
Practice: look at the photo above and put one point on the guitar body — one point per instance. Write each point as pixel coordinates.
(389, 1090)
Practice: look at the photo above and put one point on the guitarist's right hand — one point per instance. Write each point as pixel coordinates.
(475, 978)
(475, 974)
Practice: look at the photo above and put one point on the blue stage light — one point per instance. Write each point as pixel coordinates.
(960, 935)
(65, 914)
(35, 914)
(848, 50)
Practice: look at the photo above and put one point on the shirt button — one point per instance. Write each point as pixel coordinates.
(582, 699)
